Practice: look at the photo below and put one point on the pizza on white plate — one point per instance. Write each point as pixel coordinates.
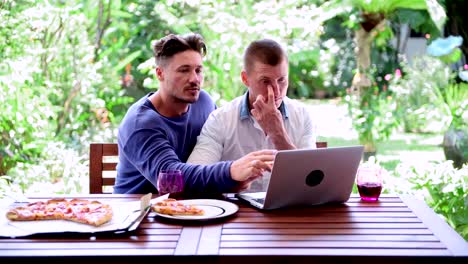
(171, 206)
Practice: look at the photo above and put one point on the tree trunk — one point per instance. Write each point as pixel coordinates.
(361, 81)
(363, 38)
(363, 47)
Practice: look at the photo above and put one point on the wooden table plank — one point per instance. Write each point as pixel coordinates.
(159, 231)
(457, 245)
(356, 225)
(336, 219)
(333, 252)
(86, 246)
(328, 237)
(145, 224)
(333, 244)
(188, 241)
(87, 252)
(336, 214)
(344, 231)
(210, 240)
(130, 238)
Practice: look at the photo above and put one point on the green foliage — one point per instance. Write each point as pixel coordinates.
(453, 57)
(432, 7)
(23, 122)
(418, 94)
(455, 98)
(376, 6)
(418, 20)
(350, 15)
(435, 11)
(443, 188)
(305, 82)
(373, 115)
(51, 89)
(7, 187)
(429, 90)
(228, 29)
(342, 71)
(60, 170)
(126, 29)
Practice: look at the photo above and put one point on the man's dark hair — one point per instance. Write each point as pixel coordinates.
(266, 51)
(172, 44)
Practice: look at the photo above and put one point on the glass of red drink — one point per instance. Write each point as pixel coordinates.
(170, 181)
(369, 182)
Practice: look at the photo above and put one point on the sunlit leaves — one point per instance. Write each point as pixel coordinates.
(49, 82)
(442, 186)
(127, 60)
(437, 13)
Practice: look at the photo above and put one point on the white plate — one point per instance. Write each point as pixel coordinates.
(213, 209)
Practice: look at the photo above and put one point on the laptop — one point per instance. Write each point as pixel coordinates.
(308, 177)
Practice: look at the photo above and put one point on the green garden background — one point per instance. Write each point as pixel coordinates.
(70, 69)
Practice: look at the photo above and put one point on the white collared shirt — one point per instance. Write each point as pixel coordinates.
(231, 132)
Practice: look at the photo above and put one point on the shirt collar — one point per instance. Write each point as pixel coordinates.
(245, 109)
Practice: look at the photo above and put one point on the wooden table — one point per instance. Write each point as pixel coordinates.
(394, 230)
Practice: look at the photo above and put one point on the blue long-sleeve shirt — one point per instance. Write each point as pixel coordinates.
(149, 142)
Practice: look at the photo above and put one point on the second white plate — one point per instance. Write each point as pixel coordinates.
(213, 209)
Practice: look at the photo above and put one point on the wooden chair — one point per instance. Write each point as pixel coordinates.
(102, 167)
(321, 144)
(103, 163)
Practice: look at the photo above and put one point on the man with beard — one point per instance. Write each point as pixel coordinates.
(160, 130)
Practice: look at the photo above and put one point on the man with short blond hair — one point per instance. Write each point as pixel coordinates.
(263, 118)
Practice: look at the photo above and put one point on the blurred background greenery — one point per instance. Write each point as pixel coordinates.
(70, 69)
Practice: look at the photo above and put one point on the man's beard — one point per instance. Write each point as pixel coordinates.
(187, 99)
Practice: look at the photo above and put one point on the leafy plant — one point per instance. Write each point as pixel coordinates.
(372, 29)
(373, 115)
(372, 16)
(455, 99)
(443, 187)
(228, 29)
(23, 121)
(418, 94)
(60, 170)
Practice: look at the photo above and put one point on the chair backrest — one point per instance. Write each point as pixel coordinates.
(103, 159)
(321, 144)
(103, 165)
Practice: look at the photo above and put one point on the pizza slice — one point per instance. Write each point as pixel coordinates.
(77, 210)
(95, 215)
(171, 206)
(21, 214)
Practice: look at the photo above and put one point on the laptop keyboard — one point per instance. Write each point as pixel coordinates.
(259, 200)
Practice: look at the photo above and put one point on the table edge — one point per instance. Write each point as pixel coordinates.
(447, 235)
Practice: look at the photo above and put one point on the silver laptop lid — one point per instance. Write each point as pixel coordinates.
(312, 176)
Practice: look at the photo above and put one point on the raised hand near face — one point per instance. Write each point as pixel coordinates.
(270, 120)
(265, 112)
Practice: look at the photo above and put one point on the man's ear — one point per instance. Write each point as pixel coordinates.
(244, 78)
(159, 73)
